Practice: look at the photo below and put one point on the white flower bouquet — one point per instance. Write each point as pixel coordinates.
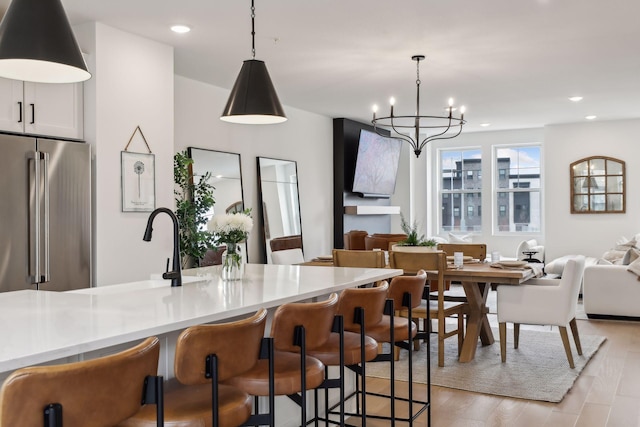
(232, 229)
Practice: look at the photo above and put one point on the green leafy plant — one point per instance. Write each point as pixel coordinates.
(413, 238)
(194, 199)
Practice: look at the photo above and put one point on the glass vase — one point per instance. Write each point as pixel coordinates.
(232, 263)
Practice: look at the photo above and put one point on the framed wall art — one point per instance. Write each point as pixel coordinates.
(138, 172)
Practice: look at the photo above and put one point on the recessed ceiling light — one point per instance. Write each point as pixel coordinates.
(180, 29)
(590, 117)
(575, 98)
(484, 125)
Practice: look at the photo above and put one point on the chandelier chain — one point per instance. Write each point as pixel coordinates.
(253, 30)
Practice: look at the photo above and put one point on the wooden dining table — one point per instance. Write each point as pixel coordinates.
(476, 279)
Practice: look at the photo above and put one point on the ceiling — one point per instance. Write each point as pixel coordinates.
(512, 63)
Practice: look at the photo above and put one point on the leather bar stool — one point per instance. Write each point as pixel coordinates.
(381, 324)
(326, 341)
(206, 356)
(294, 371)
(95, 393)
(407, 293)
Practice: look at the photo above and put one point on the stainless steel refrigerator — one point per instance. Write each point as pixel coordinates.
(45, 214)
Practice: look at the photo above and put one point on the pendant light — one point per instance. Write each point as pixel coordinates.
(38, 45)
(253, 99)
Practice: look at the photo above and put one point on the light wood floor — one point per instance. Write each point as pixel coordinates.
(606, 394)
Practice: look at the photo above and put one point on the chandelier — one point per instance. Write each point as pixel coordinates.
(435, 127)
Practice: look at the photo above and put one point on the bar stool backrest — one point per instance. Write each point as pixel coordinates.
(372, 300)
(414, 285)
(236, 345)
(316, 318)
(94, 393)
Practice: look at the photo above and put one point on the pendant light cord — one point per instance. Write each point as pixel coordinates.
(253, 30)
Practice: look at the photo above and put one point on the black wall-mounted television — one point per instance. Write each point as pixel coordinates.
(376, 165)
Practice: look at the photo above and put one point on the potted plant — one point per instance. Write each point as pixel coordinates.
(194, 200)
(414, 241)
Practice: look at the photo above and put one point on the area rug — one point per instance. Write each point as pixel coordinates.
(537, 370)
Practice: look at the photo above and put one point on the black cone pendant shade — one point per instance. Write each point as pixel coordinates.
(38, 45)
(253, 99)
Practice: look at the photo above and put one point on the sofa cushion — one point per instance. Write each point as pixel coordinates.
(456, 238)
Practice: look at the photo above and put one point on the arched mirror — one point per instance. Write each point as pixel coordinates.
(226, 178)
(278, 181)
(598, 185)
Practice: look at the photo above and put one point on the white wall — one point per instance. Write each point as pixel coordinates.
(305, 137)
(132, 85)
(588, 234)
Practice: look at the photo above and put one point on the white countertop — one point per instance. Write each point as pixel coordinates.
(42, 326)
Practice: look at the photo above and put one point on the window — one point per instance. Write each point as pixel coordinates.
(518, 189)
(460, 186)
(597, 185)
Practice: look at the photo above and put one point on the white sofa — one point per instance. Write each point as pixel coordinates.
(611, 291)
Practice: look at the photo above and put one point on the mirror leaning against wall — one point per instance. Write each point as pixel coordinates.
(279, 198)
(226, 178)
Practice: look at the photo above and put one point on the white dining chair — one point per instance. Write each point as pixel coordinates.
(287, 256)
(542, 304)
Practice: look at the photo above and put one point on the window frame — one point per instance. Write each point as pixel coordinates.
(503, 194)
(458, 194)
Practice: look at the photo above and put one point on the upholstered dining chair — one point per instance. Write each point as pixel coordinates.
(100, 392)
(205, 357)
(287, 256)
(382, 241)
(286, 242)
(539, 304)
(354, 240)
(437, 309)
(356, 258)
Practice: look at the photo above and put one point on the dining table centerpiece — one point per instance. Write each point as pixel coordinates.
(232, 229)
(415, 242)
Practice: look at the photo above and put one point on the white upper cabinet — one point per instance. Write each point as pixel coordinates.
(42, 109)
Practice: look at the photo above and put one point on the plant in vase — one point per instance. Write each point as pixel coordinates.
(413, 237)
(232, 229)
(194, 200)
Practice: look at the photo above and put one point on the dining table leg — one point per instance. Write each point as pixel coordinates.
(477, 321)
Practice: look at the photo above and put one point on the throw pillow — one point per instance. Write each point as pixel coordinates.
(602, 261)
(460, 239)
(624, 244)
(630, 256)
(614, 256)
(634, 267)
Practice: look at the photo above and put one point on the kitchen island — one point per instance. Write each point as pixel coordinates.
(51, 327)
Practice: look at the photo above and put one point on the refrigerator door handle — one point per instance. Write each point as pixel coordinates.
(45, 173)
(35, 213)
